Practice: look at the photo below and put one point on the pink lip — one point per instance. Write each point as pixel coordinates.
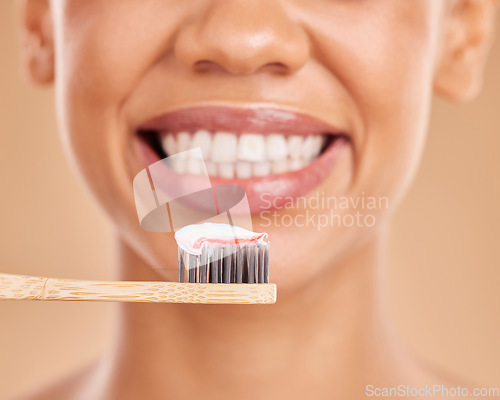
(239, 120)
(264, 193)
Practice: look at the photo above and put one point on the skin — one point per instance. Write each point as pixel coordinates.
(370, 67)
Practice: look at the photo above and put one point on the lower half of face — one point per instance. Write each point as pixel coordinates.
(318, 112)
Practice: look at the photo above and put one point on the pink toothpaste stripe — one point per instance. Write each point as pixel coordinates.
(233, 241)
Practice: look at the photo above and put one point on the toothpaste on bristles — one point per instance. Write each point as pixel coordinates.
(222, 253)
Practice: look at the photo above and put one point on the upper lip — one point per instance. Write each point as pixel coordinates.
(263, 120)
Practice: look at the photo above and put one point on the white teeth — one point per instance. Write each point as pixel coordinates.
(295, 165)
(183, 141)
(226, 170)
(169, 144)
(280, 167)
(244, 156)
(262, 169)
(224, 147)
(295, 147)
(251, 147)
(311, 147)
(179, 165)
(194, 166)
(243, 170)
(277, 148)
(203, 140)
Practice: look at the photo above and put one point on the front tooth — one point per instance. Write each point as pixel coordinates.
(295, 165)
(226, 170)
(277, 148)
(280, 166)
(194, 166)
(311, 147)
(251, 147)
(261, 168)
(179, 164)
(169, 144)
(295, 146)
(224, 147)
(183, 141)
(318, 144)
(202, 140)
(243, 170)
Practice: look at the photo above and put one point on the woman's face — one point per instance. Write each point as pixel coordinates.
(363, 68)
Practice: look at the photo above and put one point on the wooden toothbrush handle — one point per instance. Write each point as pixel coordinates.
(21, 287)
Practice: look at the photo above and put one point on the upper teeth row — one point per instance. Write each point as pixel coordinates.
(224, 147)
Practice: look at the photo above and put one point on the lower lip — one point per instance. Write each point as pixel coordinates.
(273, 191)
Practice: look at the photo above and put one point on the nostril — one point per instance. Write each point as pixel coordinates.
(234, 67)
(207, 66)
(211, 66)
(275, 67)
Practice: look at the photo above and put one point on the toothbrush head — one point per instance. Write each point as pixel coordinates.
(221, 253)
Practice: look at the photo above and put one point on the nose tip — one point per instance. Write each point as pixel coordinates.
(229, 38)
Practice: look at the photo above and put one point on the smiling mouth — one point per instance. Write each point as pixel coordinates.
(266, 151)
(229, 155)
(268, 143)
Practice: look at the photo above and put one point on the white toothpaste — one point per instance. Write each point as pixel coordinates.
(192, 238)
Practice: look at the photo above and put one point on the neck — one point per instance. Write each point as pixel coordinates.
(329, 338)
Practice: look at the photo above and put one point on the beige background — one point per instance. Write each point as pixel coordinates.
(445, 273)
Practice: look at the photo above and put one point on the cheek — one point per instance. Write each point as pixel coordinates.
(384, 59)
(102, 51)
(104, 48)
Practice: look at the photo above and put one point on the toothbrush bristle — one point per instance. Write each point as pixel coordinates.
(248, 263)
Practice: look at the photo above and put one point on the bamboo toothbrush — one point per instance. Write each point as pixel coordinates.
(218, 271)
